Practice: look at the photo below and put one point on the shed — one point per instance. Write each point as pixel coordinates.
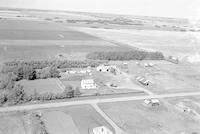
(152, 102)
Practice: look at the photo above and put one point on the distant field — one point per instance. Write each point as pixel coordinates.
(134, 117)
(36, 30)
(180, 44)
(33, 40)
(41, 86)
(84, 116)
(40, 50)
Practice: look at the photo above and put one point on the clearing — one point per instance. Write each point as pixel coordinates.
(41, 86)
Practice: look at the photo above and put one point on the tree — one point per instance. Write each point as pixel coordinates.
(8, 81)
(3, 98)
(17, 95)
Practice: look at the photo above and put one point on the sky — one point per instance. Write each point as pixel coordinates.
(161, 8)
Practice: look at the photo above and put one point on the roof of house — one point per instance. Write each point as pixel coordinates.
(88, 81)
(102, 130)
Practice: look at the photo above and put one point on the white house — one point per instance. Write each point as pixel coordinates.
(88, 84)
(101, 130)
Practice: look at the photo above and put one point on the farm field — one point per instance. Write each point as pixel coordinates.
(41, 86)
(34, 40)
(137, 118)
(73, 120)
(84, 117)
(165, 76)
(179, 44)
(46, 50)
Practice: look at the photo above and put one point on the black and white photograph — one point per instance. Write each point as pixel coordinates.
(99, 66)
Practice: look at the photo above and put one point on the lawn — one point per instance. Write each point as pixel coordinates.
(41, 86)
(134, 117)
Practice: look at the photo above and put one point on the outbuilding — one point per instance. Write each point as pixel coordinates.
(151, 102)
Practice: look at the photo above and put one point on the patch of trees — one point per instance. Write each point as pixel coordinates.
(18, 96)
(14, 96)
(125, 55)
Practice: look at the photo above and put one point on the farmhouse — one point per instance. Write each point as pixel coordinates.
(101, 130)
(105, 68)
(88, 84)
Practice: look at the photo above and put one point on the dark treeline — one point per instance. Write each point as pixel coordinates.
(31, 70)
(125, 55)
(59, 64)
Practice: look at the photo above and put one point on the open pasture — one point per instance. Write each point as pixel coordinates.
(135, 117)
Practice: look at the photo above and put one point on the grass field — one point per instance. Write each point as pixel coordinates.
(84, 117)
(12, 124)
(57, 122)
(41, 86)
(134, 117)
